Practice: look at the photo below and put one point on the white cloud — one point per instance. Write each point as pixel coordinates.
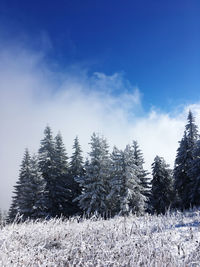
(32, 96)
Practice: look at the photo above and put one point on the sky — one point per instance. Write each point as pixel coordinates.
(128, 70)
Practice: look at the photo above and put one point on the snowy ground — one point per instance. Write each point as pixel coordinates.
(171, 240)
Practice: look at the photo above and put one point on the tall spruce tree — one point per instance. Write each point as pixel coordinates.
(62, 186)
(183, 162)
(47, 166)
(126, 193)
(116, 181)
(195, 177)
(142, 174)
(132, 196)
(76, 171)
(162, 193)
(95, 181)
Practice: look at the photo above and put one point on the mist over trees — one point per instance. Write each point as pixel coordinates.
(51, 184)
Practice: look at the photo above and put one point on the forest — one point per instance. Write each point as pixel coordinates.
(53, 185)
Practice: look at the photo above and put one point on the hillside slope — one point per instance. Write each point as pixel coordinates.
(170, 240)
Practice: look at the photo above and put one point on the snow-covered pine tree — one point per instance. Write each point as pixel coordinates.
(47, 167)
(116, 181)
(195, 177)
(95, 181)
(30, 190)
(22, 185)
(63, 184)
(126, 193)
(76, 171)
(162, 194)
(183, 162)
(25, 190)
(132, 198)
(36, 186)
(142, 174)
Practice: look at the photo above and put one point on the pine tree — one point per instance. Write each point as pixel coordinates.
(116, 181)
(126, 193)
(37, 188)
(23, 202)
(30, 190)
(141, 173)
(132, 198)
(21, 185)
(76, 171)
(162, 194)
(195, 177)
(47, 167)
(183, 162)
(62, 186)
(95, 181)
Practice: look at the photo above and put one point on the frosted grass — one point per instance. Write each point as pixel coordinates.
(170, 240)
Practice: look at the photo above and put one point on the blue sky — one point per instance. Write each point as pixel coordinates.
(129, 70)
(155, 44)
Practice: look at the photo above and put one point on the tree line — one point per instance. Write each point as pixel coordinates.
(52, 185)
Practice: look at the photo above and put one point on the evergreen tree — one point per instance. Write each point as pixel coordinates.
(195, 177)
(95, 181)
(162, 194)
(141, 173)
(76, 171)
(30, 190)
(25, 190)
(132, 198)
(22, 184)
(36, 187)
(62, 185)
(126, 190)
(47, 167)
(183, 162)
(116, 181)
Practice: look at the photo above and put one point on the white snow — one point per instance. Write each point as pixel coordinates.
(170, 240)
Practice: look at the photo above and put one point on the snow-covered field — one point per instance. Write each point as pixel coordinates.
(171, 240)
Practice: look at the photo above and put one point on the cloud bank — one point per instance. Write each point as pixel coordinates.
(75, 103)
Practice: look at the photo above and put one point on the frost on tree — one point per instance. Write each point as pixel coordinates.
(183, 162)
(63, 189)
(53, 167)
(26, 189)
(95, 181)
(195, 177)
(76, 170)
(126, 193)
(162, 186)
(141, 173)
(132, 198)
(116, 181)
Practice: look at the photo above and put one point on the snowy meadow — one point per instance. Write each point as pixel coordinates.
(164, 240)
